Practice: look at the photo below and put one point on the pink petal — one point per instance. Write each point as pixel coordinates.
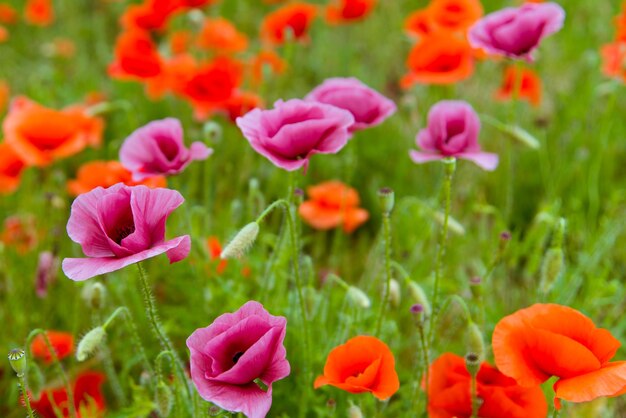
(199, 151)
(485, 160)
(424, 157)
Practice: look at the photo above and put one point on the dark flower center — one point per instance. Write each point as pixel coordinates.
(237, 356)
(122, 230)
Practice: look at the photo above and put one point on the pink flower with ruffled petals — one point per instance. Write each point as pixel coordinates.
(158, 149)
(516, 32)
(452, 131)
(120, 226)
(235, 352)
(293, 131)
(369, 107)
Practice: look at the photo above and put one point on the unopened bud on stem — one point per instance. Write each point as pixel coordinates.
(242, 242)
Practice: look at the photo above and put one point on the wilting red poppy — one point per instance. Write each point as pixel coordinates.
(136, 56)
(20, 233)
(528, 88)
(545, 340)
(40, 135)
(440, 58)
(362, 364)
(8, 14)
(106, 174)
(221, 36)
(333, 204)
(614, 60)
(61, 342)
(455, 15)
(11, 167)
(214, 82)
(296, 17)
(346, 11)
(39, 12)
(88, 398)
(449, 392)
(266, 58)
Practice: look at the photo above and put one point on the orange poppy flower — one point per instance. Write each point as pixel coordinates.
(333, 204)
(5, 93)
(529, 88)
(106, 174)
(295, 16)
(215, 250)
(8, 14)
(221, 36)
(266, 58)
(88, 398)
(4, 34)
(545, 340)
(19, 233)
(39, 12)
(420, 23)
(346, 11)
(40, 135)
(441, 58)
(214, 82)
(455, 15)
(136, 56)
(61, 342)
(176, 72)
(362, 364)
(614, 60)
(179, 41)
(449, 392)
(11, 167)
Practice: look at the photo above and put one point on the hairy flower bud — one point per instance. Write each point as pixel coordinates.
(358, 297)
(90, 343)
(475, 341)
(240, 244)
(163, 399)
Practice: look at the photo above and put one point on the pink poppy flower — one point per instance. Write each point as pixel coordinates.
(516, 32)
(235, 352)
(290, 133)
(158, 149)
(452, 131)
(369, 107)
(120, 226)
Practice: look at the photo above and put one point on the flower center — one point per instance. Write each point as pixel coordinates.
(237, 356)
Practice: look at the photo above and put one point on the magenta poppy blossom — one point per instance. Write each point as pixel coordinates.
(369, 107)
(158, 149)
(452, 131)
(290, 133)
(516, 32)
(119, 226)
(235, 352)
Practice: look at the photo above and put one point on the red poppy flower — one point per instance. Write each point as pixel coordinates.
(420, 23)
(40, 135)
(215, 250)
(136, 56)
(296, 17)
(5, 93)
(8, 14)
(105, 174)
(346, 11)
(214, 82)
(175, 74)
(440, 58)
(39, 12)
(266, 58)
(11, 167)
(449, 392)
(241, 103)
(62, 342)
(529, 87)
(333, 204)
(20, 233)
(614, 60)
(180, 41)
(221, 36)
(545, 340)
(4, 34)
(455, 15)
(88, 398)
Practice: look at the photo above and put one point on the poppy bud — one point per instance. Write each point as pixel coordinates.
(387, 199)
(394, 293)
(163, 399)
(240, 244)
(94, 295)
(354, 412)
(417, 294)
(475, 341)
(90, 343)
(17, 359)
(212, 132)
(358, 297)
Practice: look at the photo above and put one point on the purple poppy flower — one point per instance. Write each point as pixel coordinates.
(516, 32)
(369, 107)
(158, 149)
(290, 133)
(236, 352)
(452, 131)
(120, 226)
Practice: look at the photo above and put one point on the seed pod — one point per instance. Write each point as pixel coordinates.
(472, 362)
(17, 359)
(387, 199)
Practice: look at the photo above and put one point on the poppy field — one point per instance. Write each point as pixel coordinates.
(312, 208)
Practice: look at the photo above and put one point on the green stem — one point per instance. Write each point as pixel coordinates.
(109, 368)
(426, 363)
(157, 328)
(474, 396)
(450, 165)
(22, 387)
(55, 359)
(387, 243)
